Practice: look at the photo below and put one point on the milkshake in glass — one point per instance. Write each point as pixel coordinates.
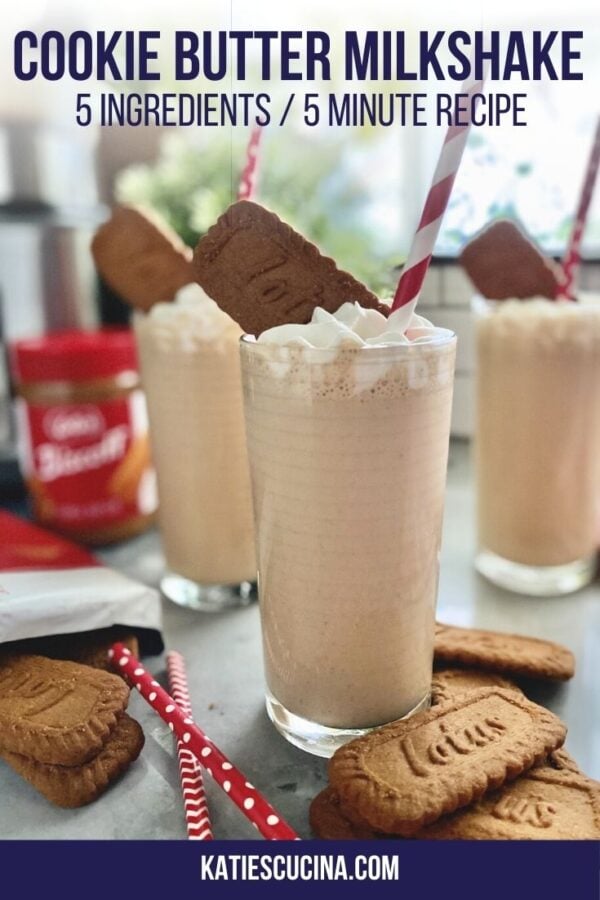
(538, 443)
(190, 366)
(348, 424)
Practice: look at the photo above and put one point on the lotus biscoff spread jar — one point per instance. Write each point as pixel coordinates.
(83, 434)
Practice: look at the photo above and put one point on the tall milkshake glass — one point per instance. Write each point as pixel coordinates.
(538, 444)
(190, 367)
(348, 449)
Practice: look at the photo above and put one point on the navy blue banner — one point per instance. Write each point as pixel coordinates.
(423, 870)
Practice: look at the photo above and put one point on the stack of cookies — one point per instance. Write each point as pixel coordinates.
(63, 726)
(483, 763)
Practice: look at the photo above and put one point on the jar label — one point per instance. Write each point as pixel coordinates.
(87, 464)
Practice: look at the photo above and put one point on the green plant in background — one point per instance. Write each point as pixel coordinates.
(305, 183)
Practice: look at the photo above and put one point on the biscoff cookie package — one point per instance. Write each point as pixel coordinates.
(50, 586)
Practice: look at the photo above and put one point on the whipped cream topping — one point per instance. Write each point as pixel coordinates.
(286, 352)
(352, 325)
(191, 320)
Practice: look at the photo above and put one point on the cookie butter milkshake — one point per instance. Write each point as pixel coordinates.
(538, 443)
(191, 373)
(348, 423)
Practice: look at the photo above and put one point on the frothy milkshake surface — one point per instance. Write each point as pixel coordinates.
(348, 424)
(538, 430)
(191, 372)
(189, 323)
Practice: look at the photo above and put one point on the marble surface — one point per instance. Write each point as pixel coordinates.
(225, 671)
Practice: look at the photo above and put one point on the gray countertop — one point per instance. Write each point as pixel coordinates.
(223, 655)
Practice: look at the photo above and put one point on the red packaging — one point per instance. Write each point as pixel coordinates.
(83, 434)
(51, 586)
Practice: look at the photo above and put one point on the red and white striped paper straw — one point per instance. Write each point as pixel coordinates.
(247, 186)
(572, 257)
(421, 251)
(192, 784)
(244, 795)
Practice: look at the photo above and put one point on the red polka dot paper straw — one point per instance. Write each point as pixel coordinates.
(244, 795)
(247, 187)
(572, 257)
(421, 251)
(190, 771)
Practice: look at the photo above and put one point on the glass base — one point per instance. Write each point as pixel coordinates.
(207, 597)
(537, 581)
(319, 739)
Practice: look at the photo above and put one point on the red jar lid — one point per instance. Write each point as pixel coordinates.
(74, 356)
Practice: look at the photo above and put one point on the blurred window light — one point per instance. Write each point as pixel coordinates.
(533, 174)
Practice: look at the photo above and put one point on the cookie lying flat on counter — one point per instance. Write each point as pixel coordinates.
(406, 775)
(327, 818)
(509, 654)
(57, 712)
(446, 684)
(543, 804)
(328, 821)
(75, 786)
(552, 801)
(560, 759)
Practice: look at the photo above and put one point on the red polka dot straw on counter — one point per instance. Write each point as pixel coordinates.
(244, 795)
(190, 771)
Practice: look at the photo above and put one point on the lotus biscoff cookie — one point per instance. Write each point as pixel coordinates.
(78, 785)
(329, 822)
(57, 712)
(538, 805)
(503, 263)
(543, 804)
(407, 774)
(263, 273)
(447, 684)
(560, 759)
(141, 258)
(509, 654)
